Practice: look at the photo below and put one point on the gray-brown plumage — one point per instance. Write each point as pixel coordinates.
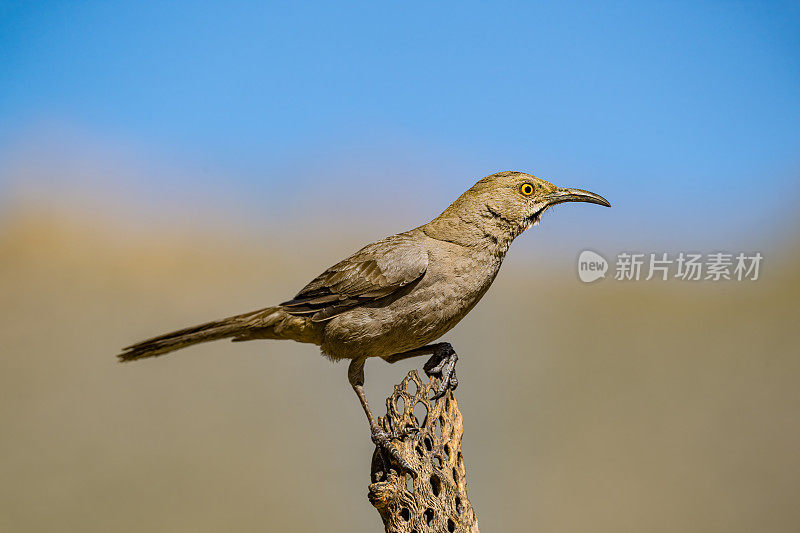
(395, 296)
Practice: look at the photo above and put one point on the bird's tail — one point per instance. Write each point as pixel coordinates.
(269, 323)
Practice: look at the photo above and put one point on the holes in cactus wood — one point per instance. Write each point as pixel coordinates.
(434, 436)
(400, 405)
(428, 516)
(436, 485)
(421, 413)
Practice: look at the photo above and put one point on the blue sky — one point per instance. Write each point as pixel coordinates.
(666, 108)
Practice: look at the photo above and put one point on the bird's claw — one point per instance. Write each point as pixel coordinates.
(443, 365)
(383, 441)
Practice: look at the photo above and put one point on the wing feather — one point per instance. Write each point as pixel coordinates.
(376, 271)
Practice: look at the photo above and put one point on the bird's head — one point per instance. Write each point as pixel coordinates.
(504, 205)
(521, 198)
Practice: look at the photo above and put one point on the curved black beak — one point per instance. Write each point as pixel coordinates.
(563, 194)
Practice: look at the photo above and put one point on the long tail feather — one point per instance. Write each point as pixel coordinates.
(211, 331)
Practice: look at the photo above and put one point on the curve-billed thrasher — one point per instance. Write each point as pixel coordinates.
(395, 296)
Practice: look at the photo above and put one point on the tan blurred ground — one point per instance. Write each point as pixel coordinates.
(658, 407)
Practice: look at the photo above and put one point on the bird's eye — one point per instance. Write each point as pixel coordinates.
(526, 189)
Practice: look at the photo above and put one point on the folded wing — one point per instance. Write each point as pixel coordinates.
(376, 271)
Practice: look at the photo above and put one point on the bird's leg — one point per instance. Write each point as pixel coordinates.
(442, 364)
(381, 438)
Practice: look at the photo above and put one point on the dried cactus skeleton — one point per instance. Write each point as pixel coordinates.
(428, 438)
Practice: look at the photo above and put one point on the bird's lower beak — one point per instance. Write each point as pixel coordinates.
(563, 194)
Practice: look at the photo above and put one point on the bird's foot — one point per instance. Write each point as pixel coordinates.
(443, 365)
(389, 450)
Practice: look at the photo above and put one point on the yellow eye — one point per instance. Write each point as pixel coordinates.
(526, 189)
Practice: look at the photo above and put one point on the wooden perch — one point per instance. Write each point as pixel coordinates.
(429, 438)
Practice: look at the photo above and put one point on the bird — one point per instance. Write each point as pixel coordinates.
(393, 298)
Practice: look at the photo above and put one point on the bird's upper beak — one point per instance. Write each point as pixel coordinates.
(563, 194)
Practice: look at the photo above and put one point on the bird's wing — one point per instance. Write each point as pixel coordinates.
(376, 271)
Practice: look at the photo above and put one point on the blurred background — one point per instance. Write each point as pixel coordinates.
(164, 164)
